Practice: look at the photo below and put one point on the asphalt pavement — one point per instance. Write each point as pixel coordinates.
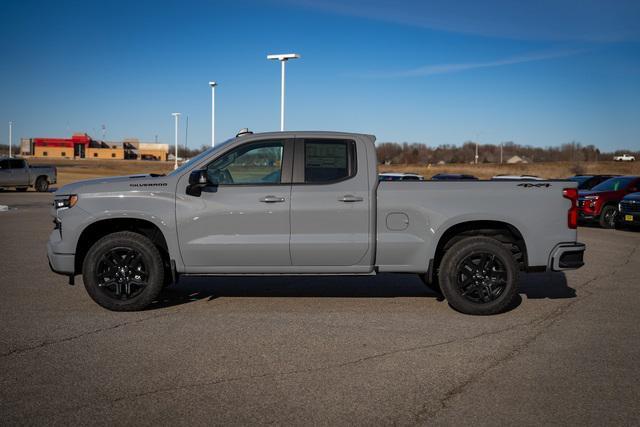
(317, 350)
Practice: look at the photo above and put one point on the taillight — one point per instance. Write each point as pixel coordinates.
(572, 215)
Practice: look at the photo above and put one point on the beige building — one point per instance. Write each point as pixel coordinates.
(57, 152)
(112, 153)
(82, 146)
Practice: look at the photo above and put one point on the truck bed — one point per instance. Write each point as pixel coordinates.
(414, 215)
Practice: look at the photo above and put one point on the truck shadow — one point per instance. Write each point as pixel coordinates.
(190, 289)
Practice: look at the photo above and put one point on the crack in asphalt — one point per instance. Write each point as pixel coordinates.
(546, 322)
(21, 350)
(200, 384)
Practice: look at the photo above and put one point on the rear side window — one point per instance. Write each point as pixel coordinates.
(16, 163)
(329, 160)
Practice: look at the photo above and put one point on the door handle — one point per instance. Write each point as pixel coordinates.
(272, 199)
(348, 198)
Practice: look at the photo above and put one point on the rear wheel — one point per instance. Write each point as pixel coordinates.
(608, 217)
(123, 271)
(42, 184)
(478, 275)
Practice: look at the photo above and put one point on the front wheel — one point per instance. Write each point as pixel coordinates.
(479, 276)
(123, 271)
(608, 217)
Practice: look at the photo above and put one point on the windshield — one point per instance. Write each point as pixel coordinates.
(581, 180)
(614, 184)
(194, 160)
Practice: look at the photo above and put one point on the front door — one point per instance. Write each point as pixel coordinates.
(330, 205)
(242, 220)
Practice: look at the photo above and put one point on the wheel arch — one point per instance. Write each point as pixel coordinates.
(504, 232)
(96, 230)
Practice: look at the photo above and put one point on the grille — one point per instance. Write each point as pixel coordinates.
(630, 206)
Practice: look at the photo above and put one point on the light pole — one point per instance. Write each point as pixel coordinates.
(283, 58)
(213, 112)
(10, 137)
(175, 155)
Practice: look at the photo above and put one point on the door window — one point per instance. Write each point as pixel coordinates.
(251, 164)
(328, 161)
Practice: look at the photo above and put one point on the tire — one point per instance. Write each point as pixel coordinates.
(123, 271)
(42, 184)
(479, 276)
(608, 217)
(22, 189)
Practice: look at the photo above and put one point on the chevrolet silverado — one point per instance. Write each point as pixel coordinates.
(309, 203)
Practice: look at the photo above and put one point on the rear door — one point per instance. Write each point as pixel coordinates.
(330, 204)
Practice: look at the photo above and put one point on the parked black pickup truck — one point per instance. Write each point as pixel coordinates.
(18, 174)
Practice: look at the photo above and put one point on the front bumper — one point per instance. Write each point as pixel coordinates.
(567, 256)
(629, 218)
(60, 263)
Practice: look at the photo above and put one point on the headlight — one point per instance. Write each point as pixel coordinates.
(591, 197)
(65, 202)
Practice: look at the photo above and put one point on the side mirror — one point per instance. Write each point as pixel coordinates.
(198, 179)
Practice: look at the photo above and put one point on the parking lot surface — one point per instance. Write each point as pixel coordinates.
(317, 350)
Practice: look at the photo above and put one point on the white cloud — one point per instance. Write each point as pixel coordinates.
(429, 70)
(547, 20)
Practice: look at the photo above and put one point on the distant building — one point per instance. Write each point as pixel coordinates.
(516, 159)
(82, 146)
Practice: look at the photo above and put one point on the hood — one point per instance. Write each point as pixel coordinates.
(117, 183)
(632, 196)
(585, 193)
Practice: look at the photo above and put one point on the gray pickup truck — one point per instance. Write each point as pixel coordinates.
(18, 174)
(309, 203)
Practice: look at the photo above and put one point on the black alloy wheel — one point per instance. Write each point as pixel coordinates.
(122, 273)
(481, 277)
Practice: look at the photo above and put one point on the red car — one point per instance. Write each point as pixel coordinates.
(601, 202)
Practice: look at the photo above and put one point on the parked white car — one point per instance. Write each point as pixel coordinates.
(624, 158)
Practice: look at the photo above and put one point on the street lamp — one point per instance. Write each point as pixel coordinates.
(175, 155)
(10, 137)
(213, 112)
(283, 58)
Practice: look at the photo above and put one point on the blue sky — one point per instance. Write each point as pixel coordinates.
(439, 72)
